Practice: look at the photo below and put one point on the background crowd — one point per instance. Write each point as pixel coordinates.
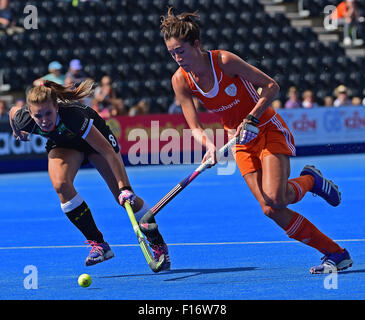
(108, 103)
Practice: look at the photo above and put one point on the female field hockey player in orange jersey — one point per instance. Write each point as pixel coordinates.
(225, 84)
(76, 135)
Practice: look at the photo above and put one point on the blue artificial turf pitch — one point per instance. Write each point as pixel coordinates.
(221, 246)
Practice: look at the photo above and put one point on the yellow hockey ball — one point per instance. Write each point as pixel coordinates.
(84, 280)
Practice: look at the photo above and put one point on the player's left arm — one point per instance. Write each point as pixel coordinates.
(233, 65)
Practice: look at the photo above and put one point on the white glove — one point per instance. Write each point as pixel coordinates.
(248, 133)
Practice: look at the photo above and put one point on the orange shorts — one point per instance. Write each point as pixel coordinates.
(274, 138)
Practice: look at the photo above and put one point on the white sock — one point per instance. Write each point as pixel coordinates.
(72, 204)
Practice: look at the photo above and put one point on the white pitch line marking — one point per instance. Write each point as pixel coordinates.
(174, 244)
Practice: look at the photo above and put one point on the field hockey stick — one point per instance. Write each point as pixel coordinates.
(148, 217)
(154, 265)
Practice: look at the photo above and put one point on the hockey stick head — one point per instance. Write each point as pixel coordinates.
(156, 266)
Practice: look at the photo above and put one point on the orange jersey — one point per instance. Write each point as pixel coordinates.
(340, 11)
(231, 98)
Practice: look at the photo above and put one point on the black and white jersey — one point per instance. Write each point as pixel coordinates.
(74, 122)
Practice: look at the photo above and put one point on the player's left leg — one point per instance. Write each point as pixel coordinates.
(271, 189)
(63, 165)
(278, 193)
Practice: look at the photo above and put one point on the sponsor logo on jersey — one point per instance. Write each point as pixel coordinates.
(228, 106)
(84, 124)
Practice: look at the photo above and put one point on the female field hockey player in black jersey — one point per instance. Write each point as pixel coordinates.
(76, 135)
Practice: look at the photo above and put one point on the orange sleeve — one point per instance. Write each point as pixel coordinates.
(340, 11)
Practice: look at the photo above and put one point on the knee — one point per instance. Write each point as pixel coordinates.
(275, 200)
(268, 211)
(62, 186)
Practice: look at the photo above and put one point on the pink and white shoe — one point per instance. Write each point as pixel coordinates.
(99, 253)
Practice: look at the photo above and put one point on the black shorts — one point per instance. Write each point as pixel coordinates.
(81, 145)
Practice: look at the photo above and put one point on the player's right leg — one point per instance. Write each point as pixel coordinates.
(63, 165)
(140, 208)
(149, 228)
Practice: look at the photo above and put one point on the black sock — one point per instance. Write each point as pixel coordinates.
(82, 218)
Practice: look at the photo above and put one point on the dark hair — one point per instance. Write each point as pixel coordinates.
(183, 26)
(51, 91)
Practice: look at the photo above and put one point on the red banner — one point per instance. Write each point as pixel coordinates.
(156, 138)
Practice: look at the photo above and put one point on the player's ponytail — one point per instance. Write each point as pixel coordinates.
(183, 26)
(51, 91)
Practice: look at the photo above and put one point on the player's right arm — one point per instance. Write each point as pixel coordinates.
(17, 133)
(184, 95)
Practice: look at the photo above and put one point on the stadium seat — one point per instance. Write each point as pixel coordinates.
(256, 48)
(140, 70)
(124, 70)
(122, 20)
(123, 39)
(274, 32)
(314, 62)
(240, 48)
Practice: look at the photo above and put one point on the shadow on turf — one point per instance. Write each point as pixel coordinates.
(196, 272)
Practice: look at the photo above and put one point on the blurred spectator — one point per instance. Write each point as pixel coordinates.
(103, 112)
(308, 99)
(104, 92)
(68, 81)
(107, 97)
(75, 72)
(117, 109)
(141, 107)
(7, 22)
(175, 106)
(19, 103)
(342, 98)
(356, 101)
(54, 74)
(4, 115)
(277, 104)
(328, 101)
(347, 15)
(5, 14)
(293, 99)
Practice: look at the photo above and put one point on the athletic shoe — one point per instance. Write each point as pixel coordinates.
(99, 253)
(333, 262)
(323, 187)
(159, 250)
